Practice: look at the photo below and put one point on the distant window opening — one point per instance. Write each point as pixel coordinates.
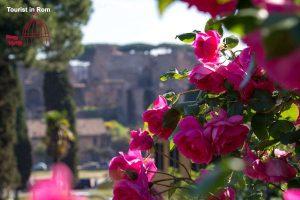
(159, 159)
(174, 161)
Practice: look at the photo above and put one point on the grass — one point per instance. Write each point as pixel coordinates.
(82, 174)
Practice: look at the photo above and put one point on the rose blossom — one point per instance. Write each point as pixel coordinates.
(214, 7)
(154, 118)
(283, 70)
(291, 194)
(140, 140)
(57, 187)
(227, 194)
(278, 5)
(278, 169)
(129, 166)
(273, 170)
(207, 46)
(254, 169)
(191, 142)
(226, 133)
(236, 71)
(132, 189)
(206, 77)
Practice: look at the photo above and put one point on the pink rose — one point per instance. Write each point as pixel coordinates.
(206, 77)
(273, 170)
(278, 6)
(140, 140)
(191, 142)
(278, 170)
(214, 7)
(226, 133)
(129, 166)
(254, 168)
(154, 118)
(291, 194)
(207, 46)
(236, 71)
(227, 194)
(283, 70)
(132, 189)
(57, 187)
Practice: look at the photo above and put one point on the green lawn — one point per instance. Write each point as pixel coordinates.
(82, 174)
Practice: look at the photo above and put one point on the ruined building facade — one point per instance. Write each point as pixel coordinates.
(115, 82)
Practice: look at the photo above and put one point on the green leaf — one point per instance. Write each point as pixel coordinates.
(291, 114)
(262, 101)
(259, 124)
(265, 144)
(171, 118)
(186, 37)
(290, 137)
(192, 109)
(294, 183)
(172, 97)
(279, 28)
(172, 145)
(280, 127)
(213, 24)
(216, 178)
(231, 42)
(163, 5)
(242, 23)
(235, 108)
(244, 4)
(174, 74)
(174, 186)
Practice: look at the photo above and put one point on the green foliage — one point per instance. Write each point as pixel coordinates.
(215, 179)
(163, 4)
(262, 101)
(213, 24)
(22, 146)
(291, 113)
(260, 123)
(8, 94)
(175, 74)
(116, 129)
(119, 135)
(272, 117)
(58, 96)
(242, 23)
(231, 42)
(186, 37)
(280, 28)
(171, 118)
(58, 136)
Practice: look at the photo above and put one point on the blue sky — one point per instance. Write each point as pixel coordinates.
(130, 21)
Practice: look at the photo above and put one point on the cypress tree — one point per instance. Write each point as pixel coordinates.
(58, 96)
(8, 92)
(65, 45)
(22, 146)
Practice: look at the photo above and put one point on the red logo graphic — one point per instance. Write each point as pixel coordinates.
(13, 40)
(34, 29)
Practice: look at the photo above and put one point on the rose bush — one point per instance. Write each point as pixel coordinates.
(242, 122)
